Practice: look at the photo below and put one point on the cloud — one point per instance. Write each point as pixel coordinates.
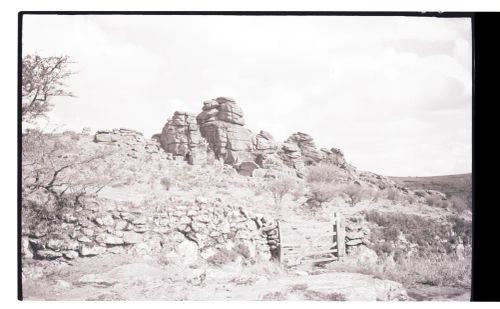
(393, 92)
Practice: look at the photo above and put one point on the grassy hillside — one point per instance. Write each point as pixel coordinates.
(458, 186)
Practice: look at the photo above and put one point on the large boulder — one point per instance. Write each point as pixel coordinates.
(247, 168)
(182, 138)
(265, 143)
(310, 155)
(291, 156)
(221, 124)
(334, 156)
(222, 108)
(230, 112)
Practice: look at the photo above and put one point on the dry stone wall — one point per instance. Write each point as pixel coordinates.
(192, 229)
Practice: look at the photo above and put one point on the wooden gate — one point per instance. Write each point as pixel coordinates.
(320, 242)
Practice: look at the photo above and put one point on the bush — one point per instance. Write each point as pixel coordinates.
(222, 257)
(355, 193)
(299, 191)
(392, 194)
(323, 172)
(411, 199)
(166, 183)
(437, 270)
(462, 229)
(280, 186)
(430, 235)
(436, 201)
(458, 204)
(57, 173)
(322, 192)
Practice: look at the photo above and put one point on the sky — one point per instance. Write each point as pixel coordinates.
(394, 93)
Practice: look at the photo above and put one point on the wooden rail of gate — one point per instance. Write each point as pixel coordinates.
(316, 254)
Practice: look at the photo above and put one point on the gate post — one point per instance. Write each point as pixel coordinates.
(280, 245)
(339, 237)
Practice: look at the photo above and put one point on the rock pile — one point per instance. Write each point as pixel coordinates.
(132, 142)
(334, 156)
(218, 133)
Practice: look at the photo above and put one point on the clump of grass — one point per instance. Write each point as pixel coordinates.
(437, 270)
(269, 269)
(392, 194)
(222, 257)
(302, 290)
(274, 296)
(322, 296)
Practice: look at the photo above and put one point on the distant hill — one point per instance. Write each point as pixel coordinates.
(459, 186)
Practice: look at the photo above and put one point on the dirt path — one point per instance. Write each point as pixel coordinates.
(101, 279)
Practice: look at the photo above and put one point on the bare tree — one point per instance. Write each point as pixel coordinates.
(57, 165)
(42, 79)
(56, 170)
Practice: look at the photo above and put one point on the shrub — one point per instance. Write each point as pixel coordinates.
(431, 236)
(411, 199)
(376, 195)
(57, 173)
(300, 191)
(458, 204)
(242, 250)
(437, 270)
(322, 192)
(280, 186)
(462, 229)
(222, 257)
(392, 194)
(355, 193)
(166, 183)
(323, 172)
(436, 201)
